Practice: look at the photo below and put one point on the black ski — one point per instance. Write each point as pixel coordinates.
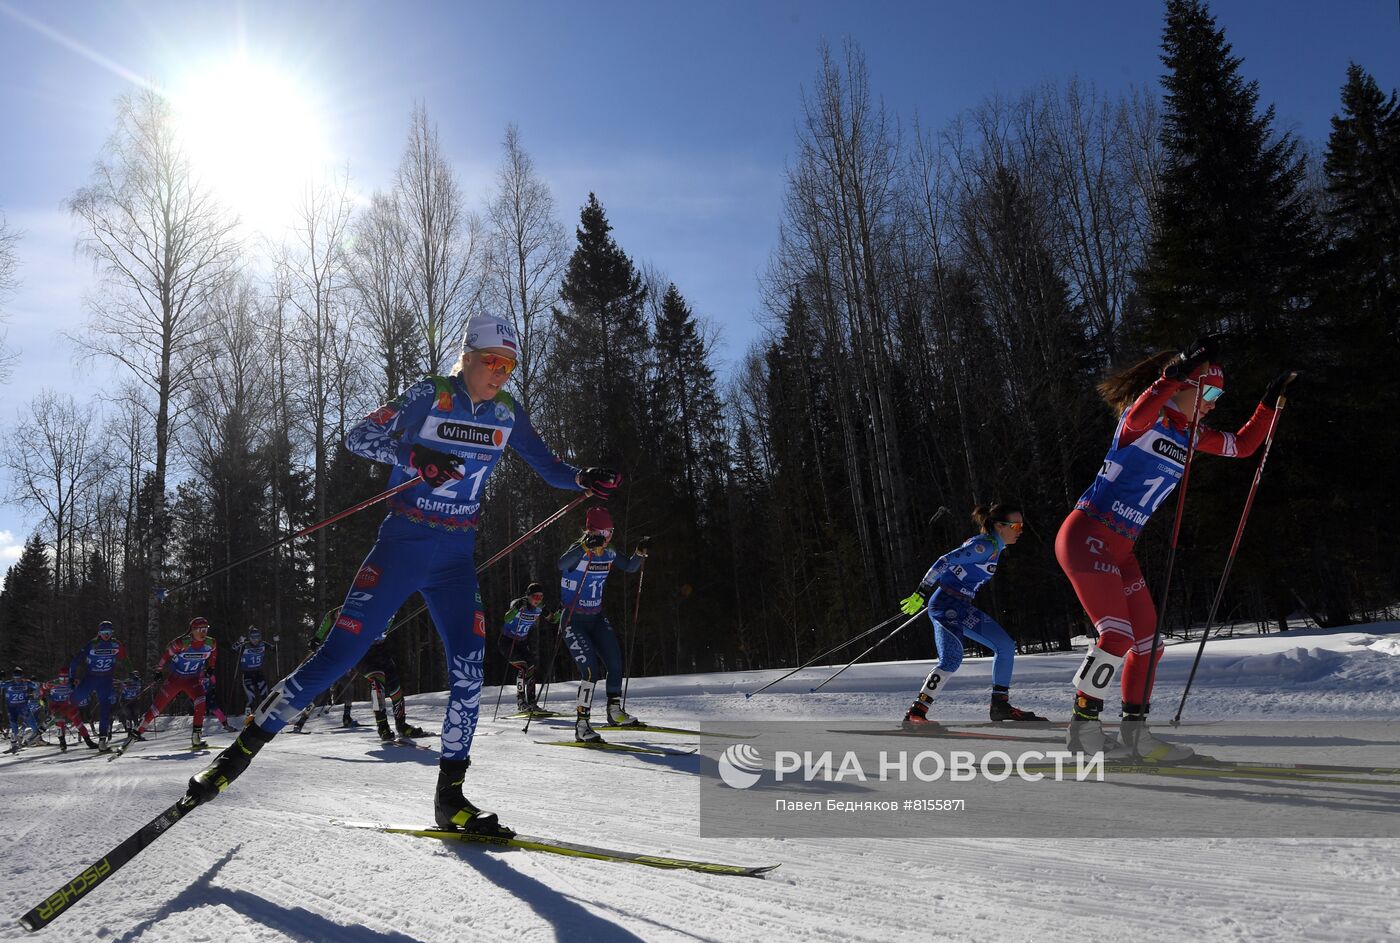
(75, 890)
(680, 731)
(939, 732)
(406, 742)
(618, 747)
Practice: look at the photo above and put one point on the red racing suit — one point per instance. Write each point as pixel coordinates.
(1095, 542)
(188, 663)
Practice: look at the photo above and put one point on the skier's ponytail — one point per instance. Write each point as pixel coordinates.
(985, 516)
(1120, 389)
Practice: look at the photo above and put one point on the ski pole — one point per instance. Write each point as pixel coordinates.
(632, 642)
(162, 593)
(502, 689)
(1230, 560)
(1191, 431)
(535, 530)
(835, 648)
(910, 621)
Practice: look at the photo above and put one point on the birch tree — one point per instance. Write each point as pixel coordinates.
(442, 245)
(163, 245)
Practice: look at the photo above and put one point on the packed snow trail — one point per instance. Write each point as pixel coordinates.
(263, 862)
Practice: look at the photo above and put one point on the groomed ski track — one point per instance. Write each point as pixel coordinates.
(262, 863)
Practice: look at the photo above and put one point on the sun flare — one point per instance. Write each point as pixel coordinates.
(253, 134)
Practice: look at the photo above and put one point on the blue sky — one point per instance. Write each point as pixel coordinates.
(679, 115)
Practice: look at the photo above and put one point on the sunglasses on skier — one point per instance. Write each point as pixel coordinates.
(1212, 393)
(494, 362)
(1017, 526)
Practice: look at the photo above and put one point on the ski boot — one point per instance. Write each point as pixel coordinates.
(381, 721)
(916, 718)
(226, 727)
(347, 722)
(1086, 734)
(583, 730)
(104, 743)
(1140, 745)
(617, 717)
(197, 740)
(453, 812)
(62, 742)
(1002, 710)
(408, 730)
(92, 744)
(228, 765)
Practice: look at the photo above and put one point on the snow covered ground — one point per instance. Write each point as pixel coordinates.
(263, 864)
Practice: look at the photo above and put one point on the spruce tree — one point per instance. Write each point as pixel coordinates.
(600, 349)
(24, 621)
(1363, 180)
(1233, 237)
(1359, 327)
(686, 408)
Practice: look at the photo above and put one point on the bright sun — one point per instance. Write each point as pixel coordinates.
(253, 134)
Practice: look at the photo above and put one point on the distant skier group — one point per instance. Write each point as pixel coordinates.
(108, 679)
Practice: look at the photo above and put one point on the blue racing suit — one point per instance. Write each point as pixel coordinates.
(955, 578)
(250, 660)
(18, 693)
(426, 544)
(99, 661)
(521, 646)
(590, 636)
(128, 692)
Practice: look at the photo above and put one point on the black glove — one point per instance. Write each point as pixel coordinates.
(594, 541)
(599, 482)
(1277, 388)
(437, 468)
(1203, 349)
(158, 676)
(643, 546)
